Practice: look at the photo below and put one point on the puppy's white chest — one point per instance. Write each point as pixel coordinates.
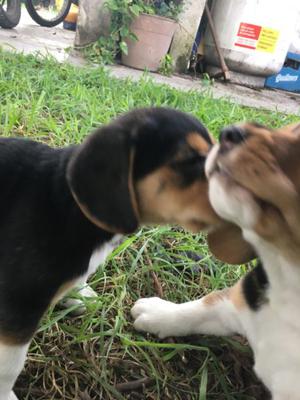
(277, 356)
(101, 253)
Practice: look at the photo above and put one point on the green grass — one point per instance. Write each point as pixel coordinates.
(86, 357)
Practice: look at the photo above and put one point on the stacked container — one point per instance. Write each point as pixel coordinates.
(255, 35)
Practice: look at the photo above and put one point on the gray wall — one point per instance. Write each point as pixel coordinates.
(93, 22)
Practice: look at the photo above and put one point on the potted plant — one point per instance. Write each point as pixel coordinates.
(150, 33)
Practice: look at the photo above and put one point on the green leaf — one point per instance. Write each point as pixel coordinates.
(124, 32)
(203, 384)
(133, 36)
(135, 9)
(112, 6)
(124, 47)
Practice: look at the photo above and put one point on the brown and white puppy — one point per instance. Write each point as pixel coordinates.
(254, 182)
(63, 210)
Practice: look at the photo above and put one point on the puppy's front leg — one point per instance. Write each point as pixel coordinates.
(216, 313)
(12, 358)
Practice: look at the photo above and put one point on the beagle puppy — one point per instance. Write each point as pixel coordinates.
(254, 182)
(63, 210)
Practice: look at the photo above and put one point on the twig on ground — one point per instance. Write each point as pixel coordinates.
(157, 284)
(132, 385)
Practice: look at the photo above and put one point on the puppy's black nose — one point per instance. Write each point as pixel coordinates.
(231, 136)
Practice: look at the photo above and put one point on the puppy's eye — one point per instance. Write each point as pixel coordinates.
(189, 169)
(192, 160)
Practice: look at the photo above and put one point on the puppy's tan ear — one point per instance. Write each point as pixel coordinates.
(228, 245)
(100, 178)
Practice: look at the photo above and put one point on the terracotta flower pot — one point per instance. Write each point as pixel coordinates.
(154, 34)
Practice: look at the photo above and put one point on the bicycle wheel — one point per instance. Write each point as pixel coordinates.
(48, 12)
(10, 13)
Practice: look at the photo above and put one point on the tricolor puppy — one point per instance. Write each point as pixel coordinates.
(254, 182)
(62, 210)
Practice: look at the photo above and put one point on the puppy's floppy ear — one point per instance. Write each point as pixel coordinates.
(228, 245)
(100, 177)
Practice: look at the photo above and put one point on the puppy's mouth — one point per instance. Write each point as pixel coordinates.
(220, 169)
(216, 168)
(214, 164)
(230, 138)
(196, 226)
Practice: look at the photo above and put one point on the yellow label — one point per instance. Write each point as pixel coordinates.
(267, 40)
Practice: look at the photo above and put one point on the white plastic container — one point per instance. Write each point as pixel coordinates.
(295, 45)
(255, 35)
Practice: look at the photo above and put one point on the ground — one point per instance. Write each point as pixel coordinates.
(29, 38)
(95, 356)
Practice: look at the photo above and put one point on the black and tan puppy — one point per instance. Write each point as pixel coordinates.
(62, 209)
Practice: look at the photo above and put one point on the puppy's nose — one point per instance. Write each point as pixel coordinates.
(231, 136)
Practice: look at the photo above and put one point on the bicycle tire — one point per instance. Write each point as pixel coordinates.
(46, 22)
(10, 17)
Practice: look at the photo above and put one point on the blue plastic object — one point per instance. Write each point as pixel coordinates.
(71, 26)
(288, 78)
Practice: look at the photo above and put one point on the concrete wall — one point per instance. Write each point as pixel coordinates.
(185, 35)
(93, 22)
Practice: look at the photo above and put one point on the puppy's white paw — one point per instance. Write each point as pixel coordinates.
(86, 292)
(157, 316)
(12, 396)
(69, 302)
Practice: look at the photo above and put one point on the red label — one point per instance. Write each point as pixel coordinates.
(247, 46)
(249, 31)
(247, 35)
